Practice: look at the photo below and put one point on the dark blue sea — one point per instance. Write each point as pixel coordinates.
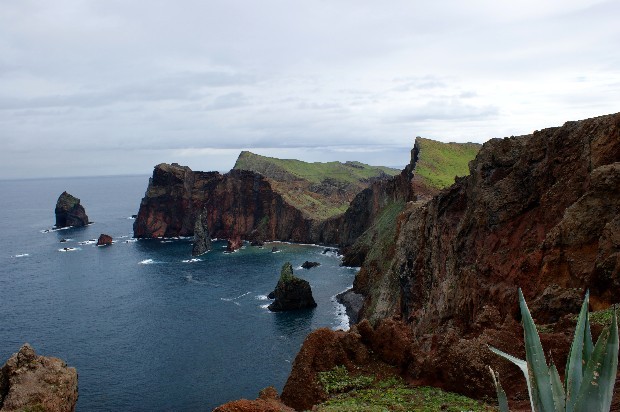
(147, 327)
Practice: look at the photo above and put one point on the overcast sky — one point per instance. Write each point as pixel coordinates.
(106, 87)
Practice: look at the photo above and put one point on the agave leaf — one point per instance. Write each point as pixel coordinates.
(535, 357)
(501, 395)
(575, 361)
(600, 374)
(559, 398)
(588, 345)
(523, 366)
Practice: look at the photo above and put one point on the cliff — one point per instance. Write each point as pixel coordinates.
(540, 212)
(37, 383)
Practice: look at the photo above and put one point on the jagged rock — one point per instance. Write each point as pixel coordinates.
(69, 211)
(268, 401)
(291, 292)
(309, 265)
(37, 383)
(233, 244)
(202, 239)
(353, 303)
(274, 249)
(104, 240)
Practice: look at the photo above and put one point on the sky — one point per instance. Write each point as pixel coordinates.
(107, 87)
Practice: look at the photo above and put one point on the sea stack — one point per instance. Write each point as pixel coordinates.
(29, 382)
(104, 240)
(234, 243)
(202, 240)
(291, 292)
(69, 211)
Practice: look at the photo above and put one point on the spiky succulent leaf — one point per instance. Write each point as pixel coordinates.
(537, 365)
(501, 394)
(559, 398)
(575, 360)
(523, 366)
(588, 345)
(599, 378)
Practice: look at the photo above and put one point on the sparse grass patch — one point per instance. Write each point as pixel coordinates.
(440, 162)
(364, 393)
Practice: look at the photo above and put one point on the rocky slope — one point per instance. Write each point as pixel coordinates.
(540, 212)
(37, 383)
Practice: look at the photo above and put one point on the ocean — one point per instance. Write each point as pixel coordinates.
(148, 327)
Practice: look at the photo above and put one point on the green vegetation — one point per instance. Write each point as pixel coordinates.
(365, 393)
(317, 172)
(286, 274)
(590, 369)
(320, 190)
(439, 163)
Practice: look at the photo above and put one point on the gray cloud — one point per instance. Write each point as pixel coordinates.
(100, 82)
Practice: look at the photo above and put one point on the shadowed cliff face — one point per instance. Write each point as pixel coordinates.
(238, 203)
(540, 212)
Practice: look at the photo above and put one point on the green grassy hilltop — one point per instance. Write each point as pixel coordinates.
(439, 162)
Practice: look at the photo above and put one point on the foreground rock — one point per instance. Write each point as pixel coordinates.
(104, 240)
(291, 292)
(202, 239)
(268, 401)
(37, 383)
(69, 211)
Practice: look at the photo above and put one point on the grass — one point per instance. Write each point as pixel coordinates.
(317, 172)
(439, 163)
(600, 317)
(365, 393)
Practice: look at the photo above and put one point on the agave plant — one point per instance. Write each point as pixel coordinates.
(590, 369)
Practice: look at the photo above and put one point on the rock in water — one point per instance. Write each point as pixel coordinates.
(69, 212)
(33, 383)
(291, 293)
(104, 240)
(309, 265)
(234, 243)
(202, 239)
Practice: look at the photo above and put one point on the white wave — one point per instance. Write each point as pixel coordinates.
(131, 218)
(69, 249)
(191, 260)
(234, 300)
(261, 297)
(21, 255)
(277, 251)
(88, 242)
(122, 236)
(166, 241)
(131, 240)
(54, 229)
(147, 262)
(265, 306)
(342, 319)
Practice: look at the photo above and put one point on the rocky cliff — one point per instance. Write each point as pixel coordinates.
(37, 383)
(540, 212)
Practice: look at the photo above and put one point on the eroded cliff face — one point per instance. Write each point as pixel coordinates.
(540, 212)
(238, 203)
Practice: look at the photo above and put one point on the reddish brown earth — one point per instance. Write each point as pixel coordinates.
(540, 212)
(37, 383)
(104, 240)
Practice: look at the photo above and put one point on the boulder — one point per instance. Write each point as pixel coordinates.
(291, 292)
(104, 240)
(309, 265)
(37, 383)
(268, 401)
(202, 240)
(69, 211)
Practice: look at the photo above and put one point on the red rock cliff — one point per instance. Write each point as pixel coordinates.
(540, 212)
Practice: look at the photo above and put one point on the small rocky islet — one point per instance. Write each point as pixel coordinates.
(439, 268)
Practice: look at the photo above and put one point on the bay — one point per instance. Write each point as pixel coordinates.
(148, 327)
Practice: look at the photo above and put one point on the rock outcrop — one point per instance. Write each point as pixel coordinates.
(233, 244)
(291, 292)
(268, 401)
(104, 240)
(202, 239)
(37, 383)
(309, 265)
(540, 212)
(69, 211)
